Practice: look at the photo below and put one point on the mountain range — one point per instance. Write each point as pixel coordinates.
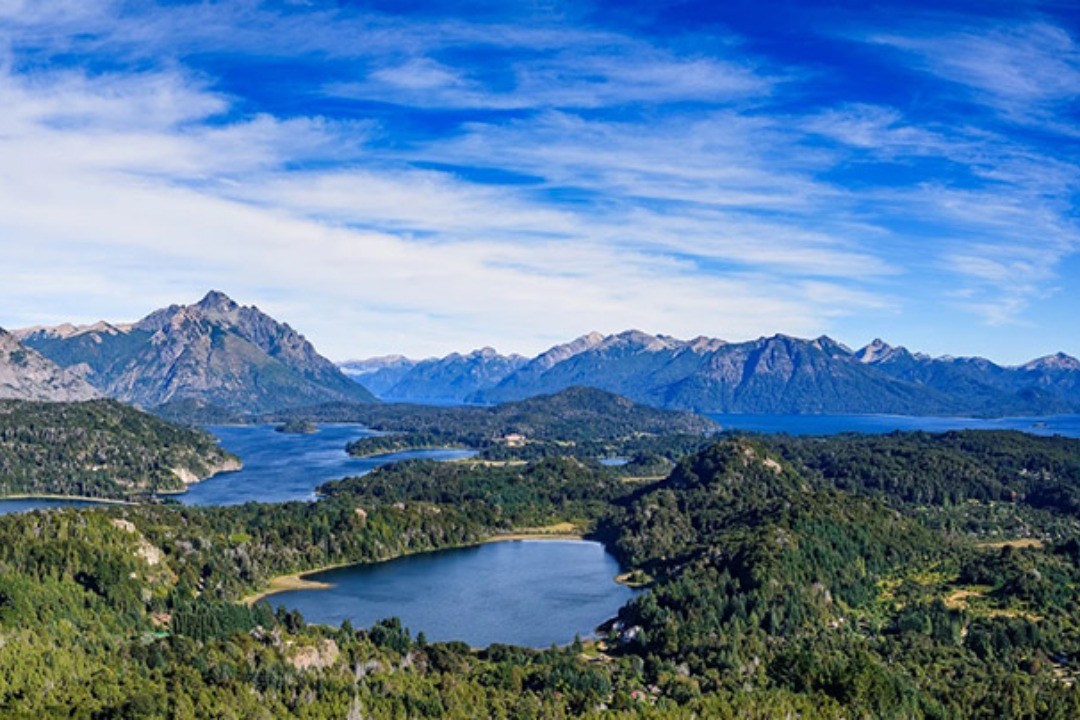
(778, 374)
(450, 379)
(214, 354)
(218, 359)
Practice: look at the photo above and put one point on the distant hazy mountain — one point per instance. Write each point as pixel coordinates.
(778, 374)
(213, 353)
(450, 379)
(379, 374)
(1046, 385)
(26, 375)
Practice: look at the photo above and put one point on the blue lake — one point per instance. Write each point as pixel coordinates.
(532, 593)
(1067, 425)
(279, 467)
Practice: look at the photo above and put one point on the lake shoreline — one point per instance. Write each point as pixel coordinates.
(419, 448)
(74, 498)
(299, 580)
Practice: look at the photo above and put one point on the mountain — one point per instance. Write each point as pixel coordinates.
(378, 374)
(215, 352)
(26, 375)
(454, 377)
(782, 374)
(1046, 385)
(779, 374)
(450, 379)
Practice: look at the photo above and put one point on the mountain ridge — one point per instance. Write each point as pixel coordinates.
(214, 351)
(772, 374)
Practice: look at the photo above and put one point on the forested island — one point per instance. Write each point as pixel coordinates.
(908, 575)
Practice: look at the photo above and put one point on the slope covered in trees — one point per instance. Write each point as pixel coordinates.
(790, 578)
(101, 449)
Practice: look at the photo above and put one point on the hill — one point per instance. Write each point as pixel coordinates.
(100, 449)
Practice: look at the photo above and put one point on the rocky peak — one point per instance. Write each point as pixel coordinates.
(638, 340)
(880, 351)
(702, 345)
(557, 354)
(1057, 361)
(217, 302)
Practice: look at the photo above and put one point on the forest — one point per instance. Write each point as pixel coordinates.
(101, 449)
(897, 576)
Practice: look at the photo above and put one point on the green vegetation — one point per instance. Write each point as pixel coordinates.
(579, 422)
(99, 449)
(297, 427)
(902, 576)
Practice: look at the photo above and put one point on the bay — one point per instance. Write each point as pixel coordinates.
(279, 467)
(528, 592)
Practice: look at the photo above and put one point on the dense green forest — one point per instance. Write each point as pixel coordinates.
(99, 448)
(899, 576)
(580, 422)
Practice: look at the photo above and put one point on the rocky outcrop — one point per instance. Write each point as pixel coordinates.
(26, 375)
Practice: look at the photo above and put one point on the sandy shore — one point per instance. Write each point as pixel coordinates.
(284, 583)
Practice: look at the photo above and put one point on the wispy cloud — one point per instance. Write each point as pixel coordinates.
(462, 181)
(1028, 71)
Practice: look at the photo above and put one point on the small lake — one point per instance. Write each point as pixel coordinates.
(1066, 425)
(531, 592)
(279, 467)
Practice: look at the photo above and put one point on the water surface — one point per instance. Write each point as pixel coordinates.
(19, 505)
(279, 467)
(532, 593)
(1066, 425)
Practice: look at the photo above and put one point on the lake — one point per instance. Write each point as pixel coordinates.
(530, 592)
(1066, 425)
(279, 467)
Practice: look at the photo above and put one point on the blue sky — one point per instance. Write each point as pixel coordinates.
(423, 177)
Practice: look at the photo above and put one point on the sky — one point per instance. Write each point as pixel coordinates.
(424, 177)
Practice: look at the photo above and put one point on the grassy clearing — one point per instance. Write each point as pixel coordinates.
(1017, 544)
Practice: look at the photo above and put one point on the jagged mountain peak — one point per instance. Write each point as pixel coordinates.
(215, 351)
(217, 301)
(879, 351)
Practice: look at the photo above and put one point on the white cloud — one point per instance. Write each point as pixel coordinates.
(133, 190)
(1025, 70)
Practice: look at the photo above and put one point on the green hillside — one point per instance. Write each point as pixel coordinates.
(100, 449)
